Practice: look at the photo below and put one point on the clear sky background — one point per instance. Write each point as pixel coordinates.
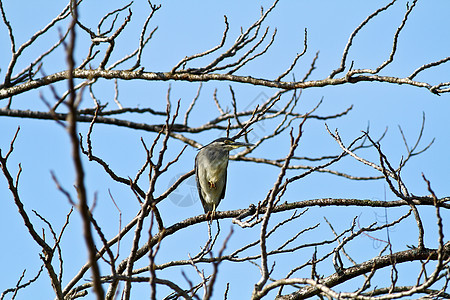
(185, 28)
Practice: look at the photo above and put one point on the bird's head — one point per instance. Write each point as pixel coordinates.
(227, 144)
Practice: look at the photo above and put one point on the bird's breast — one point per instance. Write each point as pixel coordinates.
(216, 171)
(215, 166)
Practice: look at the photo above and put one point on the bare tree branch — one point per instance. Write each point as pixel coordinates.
(175, 251)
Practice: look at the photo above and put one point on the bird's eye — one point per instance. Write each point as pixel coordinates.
(227, 142)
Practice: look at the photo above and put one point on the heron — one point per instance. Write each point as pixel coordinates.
(211, 165)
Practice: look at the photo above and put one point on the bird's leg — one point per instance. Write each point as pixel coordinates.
(213, 212)
(209, 216)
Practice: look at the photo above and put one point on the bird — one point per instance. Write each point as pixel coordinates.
(211, 164)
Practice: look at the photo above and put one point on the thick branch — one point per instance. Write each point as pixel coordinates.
(7, 92)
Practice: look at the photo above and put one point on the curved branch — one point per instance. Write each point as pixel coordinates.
(6, 92)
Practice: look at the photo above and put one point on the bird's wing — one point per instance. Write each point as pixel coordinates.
(199, 187)
(224, 186)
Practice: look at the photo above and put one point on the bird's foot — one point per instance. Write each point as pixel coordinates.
(212, 185)
(210, 215)
(213, 215)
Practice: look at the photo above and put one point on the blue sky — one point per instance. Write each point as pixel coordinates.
(185, 28)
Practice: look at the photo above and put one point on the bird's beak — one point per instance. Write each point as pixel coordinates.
(239, 144)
